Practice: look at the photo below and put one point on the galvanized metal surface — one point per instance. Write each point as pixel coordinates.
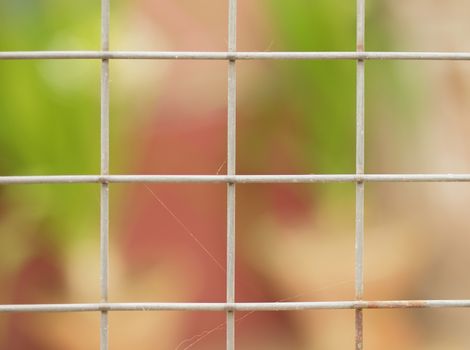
(220, 55)
(231, 170)
(359, 237)
(104, 193)
(238, 179)
(228, 307)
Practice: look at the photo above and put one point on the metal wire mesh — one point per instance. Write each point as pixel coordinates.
(231, 179)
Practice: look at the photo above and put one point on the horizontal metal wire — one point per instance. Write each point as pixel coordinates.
(265, 306)
(309, 178)
(220, 55)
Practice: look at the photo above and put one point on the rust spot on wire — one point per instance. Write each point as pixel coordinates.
(359, 329)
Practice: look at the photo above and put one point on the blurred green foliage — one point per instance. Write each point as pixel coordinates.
(50, 113)
(324, 90)
(318, 97)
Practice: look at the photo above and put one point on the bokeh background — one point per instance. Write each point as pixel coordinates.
(294, 242)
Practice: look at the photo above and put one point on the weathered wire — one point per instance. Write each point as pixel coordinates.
(224, 307)
(239, 179)
(231, 170)
(359, 237)
(104, 191)
(236, 55)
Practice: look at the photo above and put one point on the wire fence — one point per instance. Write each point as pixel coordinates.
(231, 179)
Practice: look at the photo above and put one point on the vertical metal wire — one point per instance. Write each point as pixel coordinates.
(231, 170)
(104, 153)
(359, 242)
